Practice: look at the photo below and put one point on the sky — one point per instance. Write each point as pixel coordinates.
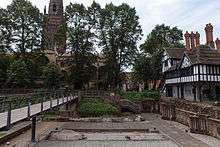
(188, 15)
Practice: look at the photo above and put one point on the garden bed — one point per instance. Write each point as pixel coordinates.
(96, 108)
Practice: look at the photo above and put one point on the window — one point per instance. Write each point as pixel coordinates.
(166, 63)
(54, 7)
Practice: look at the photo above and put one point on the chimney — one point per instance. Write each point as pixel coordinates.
(197, 39)
(192, 37)
(187, 39)
(218, 44)
(209, 35)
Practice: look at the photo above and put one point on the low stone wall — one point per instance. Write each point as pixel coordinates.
(150, 106)
(203, 118)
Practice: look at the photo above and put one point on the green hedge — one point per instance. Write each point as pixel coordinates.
(96, 108)
(140, 96)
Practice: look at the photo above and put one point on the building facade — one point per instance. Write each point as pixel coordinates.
(193, 72)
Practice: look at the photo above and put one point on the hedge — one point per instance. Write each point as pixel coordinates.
(140, 96)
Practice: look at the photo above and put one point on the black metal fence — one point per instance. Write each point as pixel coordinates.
(8, 103)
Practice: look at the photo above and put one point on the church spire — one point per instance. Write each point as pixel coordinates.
(56, 7)
(55, 21)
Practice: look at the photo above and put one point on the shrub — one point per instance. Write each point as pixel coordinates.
(140, 96)
(52, 76)
(96, 108)
(18, 73)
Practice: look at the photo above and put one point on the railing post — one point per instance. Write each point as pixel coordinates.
(57, 94)
(51, 100)
(33, 129)
(29, 107)
(79, 96)
(9, 116)
(42, 103)
(62, 95)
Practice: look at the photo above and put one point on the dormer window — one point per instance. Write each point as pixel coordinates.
(54, 8)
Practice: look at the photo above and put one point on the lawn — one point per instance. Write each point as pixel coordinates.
(96, 108)
(140, 96)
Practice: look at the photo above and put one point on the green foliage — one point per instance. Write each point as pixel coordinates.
(52, 75)
(119, 31)
(2, 134)
(4, 65)
(148, 64)
(21, 27)
(96, 108)
(160, 37)
(140, 96)
(81, 42)
(18, 74)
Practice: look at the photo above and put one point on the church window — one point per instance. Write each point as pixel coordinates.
(54, 7)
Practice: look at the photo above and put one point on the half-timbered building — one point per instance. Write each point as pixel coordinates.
(193, 73)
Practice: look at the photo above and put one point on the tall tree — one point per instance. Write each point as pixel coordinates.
(26, 21)
(5, 31)
(119, 33)
(80, 39)
(162, 36)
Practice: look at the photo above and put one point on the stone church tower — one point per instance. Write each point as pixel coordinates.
(55, 40)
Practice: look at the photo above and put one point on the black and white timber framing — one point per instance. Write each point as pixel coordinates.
(192, 77)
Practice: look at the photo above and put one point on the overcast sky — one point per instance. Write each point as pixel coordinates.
(191, 15)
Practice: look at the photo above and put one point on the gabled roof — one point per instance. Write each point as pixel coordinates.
(204, 55)
(175, 53)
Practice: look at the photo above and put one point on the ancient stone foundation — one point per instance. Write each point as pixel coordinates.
(203, 118)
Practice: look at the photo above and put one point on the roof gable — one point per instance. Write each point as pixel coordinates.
(175, 53)
(185, 62)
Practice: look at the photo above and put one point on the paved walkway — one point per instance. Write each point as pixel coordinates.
(171, 130)
(22, 113)
(153, 121)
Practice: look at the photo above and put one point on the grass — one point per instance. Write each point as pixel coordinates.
(140, 96)
(96, 108)
(1, 135)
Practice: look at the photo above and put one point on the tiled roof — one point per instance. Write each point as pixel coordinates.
(204, 55)
(175, 53)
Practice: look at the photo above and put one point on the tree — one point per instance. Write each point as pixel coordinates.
(5, 31)
(18, 74)
(119, 33)
(80, 38)
(148, 65)
(26, 26)
(160, 37)
(52, 76)
(4, 65)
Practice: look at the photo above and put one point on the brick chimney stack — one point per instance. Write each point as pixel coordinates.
(209, 35)
(197, 39)
(217, 42)
(187, 39)
(193, 38)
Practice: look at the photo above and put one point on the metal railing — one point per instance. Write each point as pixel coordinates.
(10, 103)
